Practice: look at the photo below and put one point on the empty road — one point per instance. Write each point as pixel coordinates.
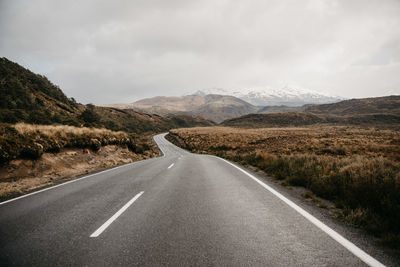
(181, 209)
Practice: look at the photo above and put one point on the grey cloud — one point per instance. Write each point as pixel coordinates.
(119, 51)
(388, 53)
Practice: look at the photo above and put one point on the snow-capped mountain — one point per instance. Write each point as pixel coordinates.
(288, 96)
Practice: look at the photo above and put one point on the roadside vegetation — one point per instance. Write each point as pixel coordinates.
(29, 141)
(34, 156)
(358, 169)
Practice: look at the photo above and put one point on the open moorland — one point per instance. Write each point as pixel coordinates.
(338, 163)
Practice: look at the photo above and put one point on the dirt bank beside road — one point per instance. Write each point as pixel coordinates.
(24, 175)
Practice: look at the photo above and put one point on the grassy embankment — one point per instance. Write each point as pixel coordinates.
(31, 141)
(358, 169)
(34, 156)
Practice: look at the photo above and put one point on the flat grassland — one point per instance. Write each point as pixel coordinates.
(356, 168)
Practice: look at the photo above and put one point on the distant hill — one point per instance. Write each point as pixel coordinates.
(368, 111)
(375, 105)
(133, 121)
(32, 98)
(212, 107)
(295, 119)
(274, 120)
(279, 109)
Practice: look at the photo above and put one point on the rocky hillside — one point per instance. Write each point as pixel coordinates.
(213, 107)
(32, 98)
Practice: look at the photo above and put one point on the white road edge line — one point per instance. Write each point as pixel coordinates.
(158, 144)
(170, 166)
(115, 216)
(72, 181)
(333, 234)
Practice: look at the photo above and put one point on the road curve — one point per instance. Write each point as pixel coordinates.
(181, 209)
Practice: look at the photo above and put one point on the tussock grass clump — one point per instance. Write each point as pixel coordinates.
(31, 141)
(358, 169)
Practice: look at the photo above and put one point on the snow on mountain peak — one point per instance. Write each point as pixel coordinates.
(267, 96)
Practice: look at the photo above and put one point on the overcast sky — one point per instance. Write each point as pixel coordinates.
(121, 51)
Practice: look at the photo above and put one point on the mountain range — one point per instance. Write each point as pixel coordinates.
(219, 104)
(290, 96)
(213, 107)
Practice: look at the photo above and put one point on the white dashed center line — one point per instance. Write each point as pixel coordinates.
(115, 216)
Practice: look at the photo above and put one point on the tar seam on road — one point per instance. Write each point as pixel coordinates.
(170, 166)
(115, 216)
(333, 234)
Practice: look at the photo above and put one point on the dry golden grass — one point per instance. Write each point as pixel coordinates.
(64, 130)
(357, 168)
(334, 140)
(31, 141)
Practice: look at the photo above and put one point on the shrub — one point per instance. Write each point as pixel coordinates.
(95, 144)
(89, 115)
(32, 151)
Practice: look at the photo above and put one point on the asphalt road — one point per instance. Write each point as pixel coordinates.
(180, 209)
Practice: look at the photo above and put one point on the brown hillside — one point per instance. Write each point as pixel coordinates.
(375, 105)
(302, 119)
(275, 120)
(380, 111)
